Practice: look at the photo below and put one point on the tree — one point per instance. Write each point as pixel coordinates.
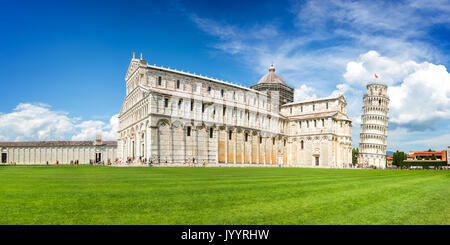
(419, 158)
(433, 157)
(399, 157)
(355, 153)
(395, 159)
(429, 150)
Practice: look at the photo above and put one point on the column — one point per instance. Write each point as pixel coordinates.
(258, 145)
(137, 145)
(235, 144)
(226, 145)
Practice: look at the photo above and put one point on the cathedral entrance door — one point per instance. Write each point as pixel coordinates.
(4, 157)
(317, 161)
(98, 157)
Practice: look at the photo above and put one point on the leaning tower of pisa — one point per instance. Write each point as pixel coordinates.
(374, 126)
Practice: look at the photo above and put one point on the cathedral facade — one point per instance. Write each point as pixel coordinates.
(176, 117)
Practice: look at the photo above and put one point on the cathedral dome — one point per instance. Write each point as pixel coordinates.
(271, 77)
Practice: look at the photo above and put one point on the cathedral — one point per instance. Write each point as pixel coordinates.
(176, 117)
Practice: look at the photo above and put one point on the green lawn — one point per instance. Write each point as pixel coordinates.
(109, 195)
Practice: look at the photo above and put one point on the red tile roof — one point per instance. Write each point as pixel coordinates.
(429, 153)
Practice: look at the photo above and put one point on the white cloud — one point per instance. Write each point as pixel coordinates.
(371, 63)
(405, 140)
(304, 93)
(213, 28)
(38, 122)
(419, 93)
(341, 89)
(35, 122)
(423, 98)
(338, 30)
(89, 129)
(441, 141)
(403, 16)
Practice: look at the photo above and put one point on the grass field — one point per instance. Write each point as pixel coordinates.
(108, 195)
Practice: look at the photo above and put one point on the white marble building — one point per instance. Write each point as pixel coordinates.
(448, 155)
(318, 132)
(39, 152)
(176, 117)
(374, 126)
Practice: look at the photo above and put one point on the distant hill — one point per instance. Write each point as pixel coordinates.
(389, 153)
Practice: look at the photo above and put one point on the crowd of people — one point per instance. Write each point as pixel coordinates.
(362, 166)
(77, 162)
(151, 161)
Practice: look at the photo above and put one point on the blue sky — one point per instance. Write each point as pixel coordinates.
(62, 63)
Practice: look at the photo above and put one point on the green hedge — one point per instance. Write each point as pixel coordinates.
(424, 163)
